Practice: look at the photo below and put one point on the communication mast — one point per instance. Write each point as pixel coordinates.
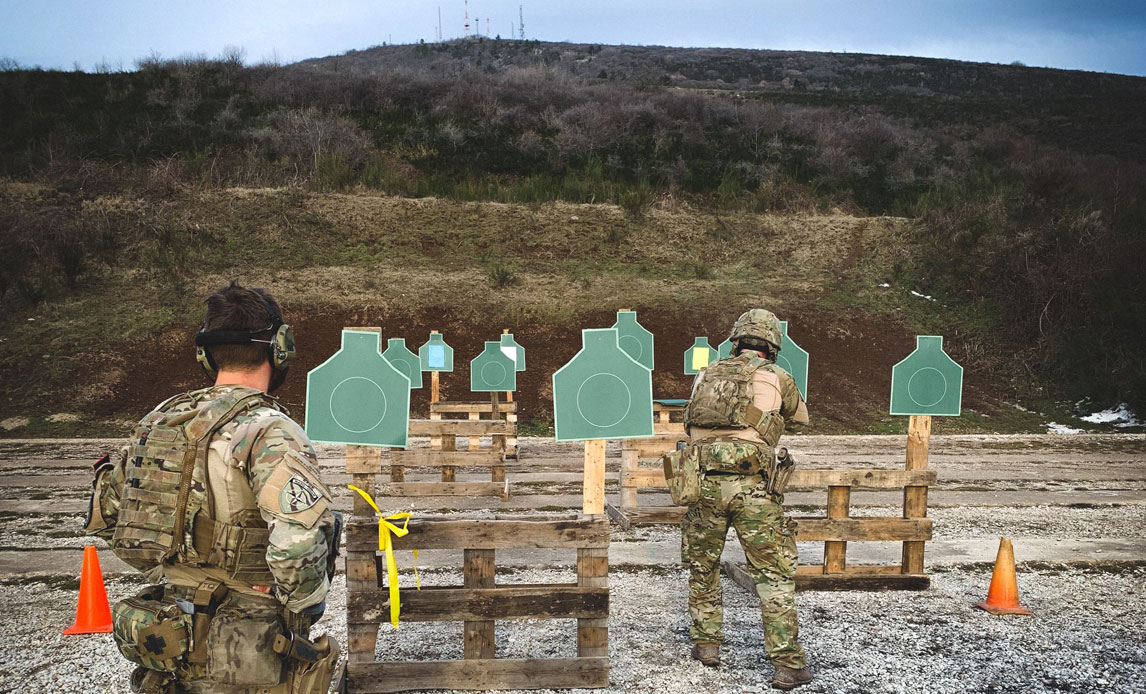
(467, 19)
(521, 21)
(487, 26)
(439, 23)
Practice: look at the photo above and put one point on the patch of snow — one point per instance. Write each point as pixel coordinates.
(1121, 416)
(1055, 428)
(921, 296)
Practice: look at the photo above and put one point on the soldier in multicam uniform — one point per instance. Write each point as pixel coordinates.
(737, 413)
(217, 499)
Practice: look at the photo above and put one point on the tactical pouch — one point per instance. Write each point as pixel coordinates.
(682, 473)
(240, 643)
(150, 632)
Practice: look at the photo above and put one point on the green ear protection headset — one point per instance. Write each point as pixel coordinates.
(280, 348)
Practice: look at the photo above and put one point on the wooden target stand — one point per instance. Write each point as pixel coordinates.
(479, 602)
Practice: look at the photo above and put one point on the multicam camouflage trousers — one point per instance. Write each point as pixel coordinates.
(769, 542)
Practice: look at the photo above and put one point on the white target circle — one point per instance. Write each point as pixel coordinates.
(601, 403)
(366, 396)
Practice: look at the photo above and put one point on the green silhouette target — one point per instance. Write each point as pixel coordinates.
(514, 351)
(794, 360)
(634, 339)
(602, 393)
(404, 360)
(436, 355)
(492, 370)
(357, 397)
(927, 382)
(724, 349)
(699, 356)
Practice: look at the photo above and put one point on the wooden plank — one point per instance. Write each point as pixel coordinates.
(835, 553)
(653, 478)
(435, 385)
(447, 489)
(915, 497)
(362, 640)
(427, 458)
(482, 604)
(617, 516)
(478, 573)
(593, 574)
(397, 473)
(655, 515)
(365, 482)
(862, 529)
(363, 460)
(474, 441)
(486, 534)
(594, 484)
(669, 429)
(449, 445)
(812, 577)
(499, 673)
(459, 407)
(457, 427)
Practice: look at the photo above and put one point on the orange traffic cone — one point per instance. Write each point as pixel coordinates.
(1003, 595)
(93, 614)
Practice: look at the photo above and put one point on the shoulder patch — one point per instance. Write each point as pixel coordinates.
(294, 493)
(298, 494)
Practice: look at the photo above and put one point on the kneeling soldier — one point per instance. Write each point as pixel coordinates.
(217, 499)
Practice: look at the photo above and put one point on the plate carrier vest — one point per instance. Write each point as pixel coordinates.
(723, 400)
(164, 512)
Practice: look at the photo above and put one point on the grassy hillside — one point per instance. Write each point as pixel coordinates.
(1016, 194)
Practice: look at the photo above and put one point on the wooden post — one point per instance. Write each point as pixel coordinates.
(915, 498)
(594, 486)
(629, 463)
(593, 572)
(835, 553)
(497, 472)
(435, 391)
(478, 572)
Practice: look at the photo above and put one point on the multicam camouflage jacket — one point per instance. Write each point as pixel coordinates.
(256, 513)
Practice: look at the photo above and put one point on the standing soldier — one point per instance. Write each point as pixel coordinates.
(217, 499)
(737, 413)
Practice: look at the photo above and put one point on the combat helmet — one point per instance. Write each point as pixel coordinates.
(755, 326)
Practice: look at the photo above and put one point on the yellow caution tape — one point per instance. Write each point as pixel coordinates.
(386, 530)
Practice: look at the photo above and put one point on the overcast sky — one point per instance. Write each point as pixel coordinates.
(1102, 35)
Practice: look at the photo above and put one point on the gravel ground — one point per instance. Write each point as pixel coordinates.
(1086, 636)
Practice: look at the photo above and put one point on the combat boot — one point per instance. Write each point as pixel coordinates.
(708, 653)
(789, 678)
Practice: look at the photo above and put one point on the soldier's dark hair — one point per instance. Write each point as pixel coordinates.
(235, 307)
(766, 347)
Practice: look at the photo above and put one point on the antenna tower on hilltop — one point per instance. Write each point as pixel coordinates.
(467, 19)
(521, 21)
(487, 26)
(439, 23)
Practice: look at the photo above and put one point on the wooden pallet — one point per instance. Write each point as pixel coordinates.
(479, 602)
(492, 409)
(835, 530)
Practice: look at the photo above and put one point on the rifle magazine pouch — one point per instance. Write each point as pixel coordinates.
(682, 473)
(240, 643)
(315, 678)
(150, 632)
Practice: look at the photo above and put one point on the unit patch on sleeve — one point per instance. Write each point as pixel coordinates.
(294, 493)
(298, 494)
